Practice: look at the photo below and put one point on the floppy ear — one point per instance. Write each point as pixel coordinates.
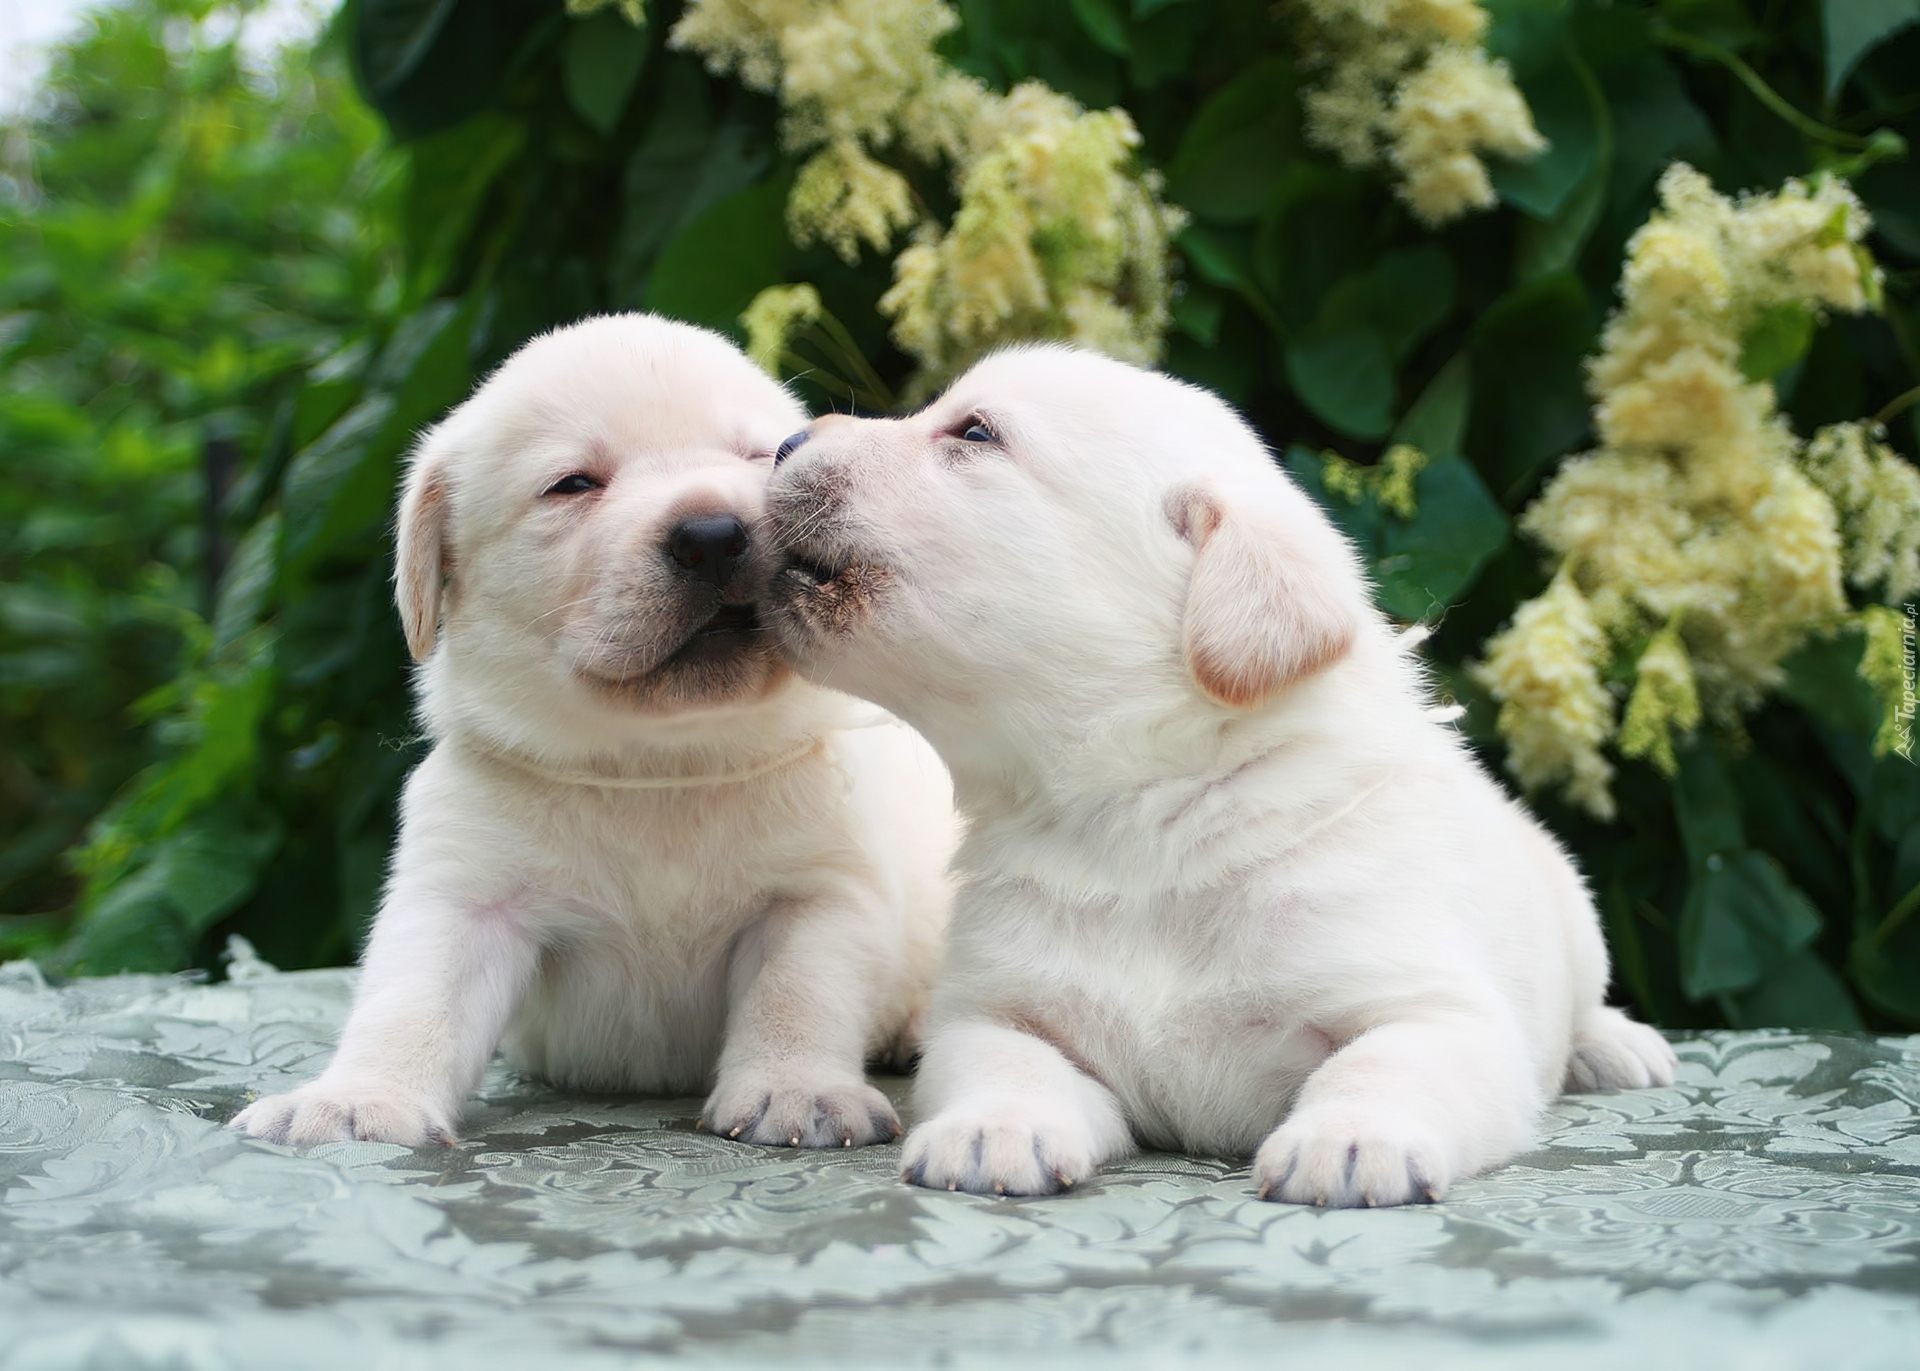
(1274, 596)
(420, 552)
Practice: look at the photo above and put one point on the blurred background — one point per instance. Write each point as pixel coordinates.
(1636, 442)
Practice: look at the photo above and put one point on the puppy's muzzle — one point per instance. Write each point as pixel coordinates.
(709, 547)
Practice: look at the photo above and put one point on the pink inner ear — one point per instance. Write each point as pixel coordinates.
(421, 558)
(1268, 602)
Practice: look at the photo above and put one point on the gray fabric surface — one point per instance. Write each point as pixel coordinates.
(1764, 1212)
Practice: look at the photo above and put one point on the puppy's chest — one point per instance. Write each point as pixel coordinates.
(689, 882)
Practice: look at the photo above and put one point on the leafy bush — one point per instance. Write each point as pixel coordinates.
(181, 242)
(560, 165)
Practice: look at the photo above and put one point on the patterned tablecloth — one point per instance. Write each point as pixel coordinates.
(1762, 1213)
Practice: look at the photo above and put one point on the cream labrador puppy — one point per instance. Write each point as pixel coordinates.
(1227, 885)
(641, 851)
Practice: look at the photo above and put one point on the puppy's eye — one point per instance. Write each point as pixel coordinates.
(790, 446)
(978, 430)
(573, 483)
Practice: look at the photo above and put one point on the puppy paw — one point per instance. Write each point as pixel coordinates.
(1611, 1052)
(1350, 1157)
(1002, 1152)
(328, 1111)
(787, 1113)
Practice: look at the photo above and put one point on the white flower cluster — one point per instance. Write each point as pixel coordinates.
(1408, 83)
(1702, 541)
(1057, 235)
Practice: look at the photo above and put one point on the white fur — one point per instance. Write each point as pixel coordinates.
(758, 936)
(1228, 886)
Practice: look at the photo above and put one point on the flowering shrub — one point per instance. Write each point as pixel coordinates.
(1594, 323)
(1696, 536)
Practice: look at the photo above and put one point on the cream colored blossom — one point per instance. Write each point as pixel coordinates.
(1886, 661)
(1665, 700)
(1053, 232)
(1057, 233)
(1407, 82)
(844, 197)
(1390, 480)
(1400, 467)
(772, 317)
(1699, 527)
(1555, 713)
(1877, 493)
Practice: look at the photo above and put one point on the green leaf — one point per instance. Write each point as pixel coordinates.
(1430, 561)
(1742, 916)
(1707, 806)
(1196, 313)
(1528, 35)
(686, 162)
(1437, 422)
(448, 176)
(720, 261)
(1775, 341)
(392, 37)
(1345, 376)
(1853, 28)
(209, 867)
(601, 66)
(1564, 114)
(1221, 258)
(1360, 521)
(190, 880)
(1654, 120)
(1104, 23)
(248, 582)
(1239, 146)
(315, 477)
(1799, 991)
(1822, 676)
(430, 64)
(1887, 970)
(1404, 296)
(1530, 400)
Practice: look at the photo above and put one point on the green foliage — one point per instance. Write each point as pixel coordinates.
(556, 167)
(180, 242)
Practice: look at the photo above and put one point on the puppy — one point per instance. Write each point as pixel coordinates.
(1226, 886)
(642, 851)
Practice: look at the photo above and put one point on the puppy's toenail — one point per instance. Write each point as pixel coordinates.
(735, 1133)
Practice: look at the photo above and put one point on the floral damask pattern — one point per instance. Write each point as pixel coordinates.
(1763, 1211)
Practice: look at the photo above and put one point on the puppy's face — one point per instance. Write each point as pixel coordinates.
(586, 530)
(1058, 529)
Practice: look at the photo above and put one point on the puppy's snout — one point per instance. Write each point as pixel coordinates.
(709, 547)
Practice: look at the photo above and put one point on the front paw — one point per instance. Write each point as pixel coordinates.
(330, 1111)
(796, 1113)
(1351, 1156)
(997, 1152)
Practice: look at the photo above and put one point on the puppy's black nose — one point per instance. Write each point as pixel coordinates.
(788, 448)
(710, 546)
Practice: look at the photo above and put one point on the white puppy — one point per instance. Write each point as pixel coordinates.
(1226, 884)
(641, 850)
